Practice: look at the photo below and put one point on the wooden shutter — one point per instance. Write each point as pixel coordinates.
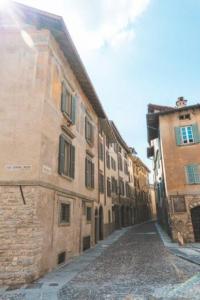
(61, 162)
(64, 98)
(86, 128)
(73, 114)
(86, 172)
(195, 131)
(190, 174)
(178, 136)
(196, 169)
(72, 161)
(92, 175)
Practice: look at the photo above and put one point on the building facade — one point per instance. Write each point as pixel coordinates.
(173, 135)
(64, 169)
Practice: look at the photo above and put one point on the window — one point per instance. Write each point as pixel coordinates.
(114, 185)
(66, 158)
(193, 174)
(101, 183)
(107, 160)
(126, 167)
(68, 103)
(120, 162)
(108, 187)
(64, 213)
(113, 164)
(128, 194)
(121, 187)
(184, 117)
(187, 134)
(89, 132)
(101, 151)
(115, 147)
(89, 173)
(107, 142)
(89, 214)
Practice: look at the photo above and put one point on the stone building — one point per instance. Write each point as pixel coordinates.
(142, 207)
(61, 159)
(173, 135)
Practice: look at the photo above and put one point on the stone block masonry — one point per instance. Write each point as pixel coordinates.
(20, 235)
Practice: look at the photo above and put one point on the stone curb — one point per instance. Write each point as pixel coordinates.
(171, 247)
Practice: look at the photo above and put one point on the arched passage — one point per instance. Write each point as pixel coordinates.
(195, 215)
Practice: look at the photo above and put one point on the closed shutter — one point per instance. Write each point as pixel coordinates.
(86, 128)
(92, 176)
(190, 174)
(86, 172)
(195, 131)
(61, 162)
(178, 136)
(73, 116)
(72, 162)
(64, 99)
(196, 169)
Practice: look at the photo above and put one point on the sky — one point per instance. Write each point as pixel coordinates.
(136, 52)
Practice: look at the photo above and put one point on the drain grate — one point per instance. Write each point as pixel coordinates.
(53, 284)
(34, 285)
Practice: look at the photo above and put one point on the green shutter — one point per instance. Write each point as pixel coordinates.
(92, 176)
(195, 131)
(73, 116)
(72, 162)
(86, 172)
(196, 169)
(178, 136)
(63, 98)
(190, 169)
(86, 129)
(61, 155)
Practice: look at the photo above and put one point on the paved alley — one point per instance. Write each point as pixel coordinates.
(133, 264)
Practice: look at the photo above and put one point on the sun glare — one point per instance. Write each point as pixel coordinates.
(4, 4)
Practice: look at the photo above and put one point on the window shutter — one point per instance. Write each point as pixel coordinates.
(190, 174)
(73, 116)
(61, 155)
(86, 172)
(196, 169)
(92, 176)
(178, 136)
(72, 163)
(195, 131)
(63, 98)
(86, 129)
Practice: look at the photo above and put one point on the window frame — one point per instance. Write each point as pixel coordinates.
(67, 158)
(61, 220)
(88, 215)
(186, 134)
(89, 131)
(89, 172)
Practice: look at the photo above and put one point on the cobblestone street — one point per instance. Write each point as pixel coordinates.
(135, 265)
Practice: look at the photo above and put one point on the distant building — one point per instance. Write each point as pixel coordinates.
(174, 139)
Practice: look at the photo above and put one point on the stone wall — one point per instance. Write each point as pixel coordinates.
(20, 235)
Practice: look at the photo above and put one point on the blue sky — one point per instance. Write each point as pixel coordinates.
(136, 52)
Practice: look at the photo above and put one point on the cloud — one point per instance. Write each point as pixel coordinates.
(106, 22)
(94, 24)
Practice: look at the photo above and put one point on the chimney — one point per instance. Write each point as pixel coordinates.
(181, 102)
